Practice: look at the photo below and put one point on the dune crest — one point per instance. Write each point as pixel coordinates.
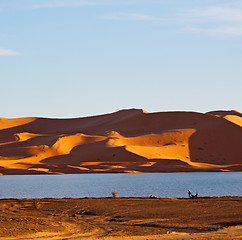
(6, 123)
(232, 116)
(129, 140)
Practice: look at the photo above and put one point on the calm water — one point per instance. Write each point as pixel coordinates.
(126, 185)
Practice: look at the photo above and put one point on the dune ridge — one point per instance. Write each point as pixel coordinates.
(130, 140)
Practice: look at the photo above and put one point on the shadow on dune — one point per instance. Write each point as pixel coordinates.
(216, 141)
(125, 141)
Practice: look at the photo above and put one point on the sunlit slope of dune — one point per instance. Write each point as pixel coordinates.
(125, 141)
(232, 116)
(10, 123)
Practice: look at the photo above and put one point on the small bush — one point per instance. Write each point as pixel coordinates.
(37, 203)
(114, 194)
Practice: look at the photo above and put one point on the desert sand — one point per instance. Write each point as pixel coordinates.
(122, 218)
(125, 141)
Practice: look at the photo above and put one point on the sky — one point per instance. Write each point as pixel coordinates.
(76, 58)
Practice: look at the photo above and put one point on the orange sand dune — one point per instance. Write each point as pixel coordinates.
(125, 141)
(232, 116)
(9, 123)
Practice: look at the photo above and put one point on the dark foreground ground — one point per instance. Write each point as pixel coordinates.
(121, 218)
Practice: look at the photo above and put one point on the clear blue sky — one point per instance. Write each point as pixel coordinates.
(71, 58)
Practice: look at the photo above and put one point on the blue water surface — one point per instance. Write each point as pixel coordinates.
(167, 185)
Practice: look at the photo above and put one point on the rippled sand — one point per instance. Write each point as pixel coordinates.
(122, 218)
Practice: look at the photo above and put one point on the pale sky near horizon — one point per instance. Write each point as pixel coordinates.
(73, 58)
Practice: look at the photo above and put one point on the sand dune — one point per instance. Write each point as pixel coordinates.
(9, 123)
(125, 141)
(232, 116)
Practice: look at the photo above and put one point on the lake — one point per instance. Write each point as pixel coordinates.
(167, 185)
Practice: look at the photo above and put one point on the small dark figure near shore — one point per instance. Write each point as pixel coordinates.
(194, 196)
(153, 196)
(189, 193)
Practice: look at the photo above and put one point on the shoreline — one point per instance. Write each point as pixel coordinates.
(122, 218)
(113, 172)
(160, 198)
